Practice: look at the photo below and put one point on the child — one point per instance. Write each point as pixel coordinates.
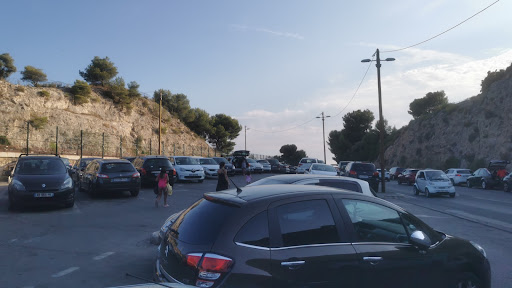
(248, 178)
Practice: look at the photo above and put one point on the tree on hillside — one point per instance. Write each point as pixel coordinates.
(224, 129)
(428, 104)
(291, 155)
(6, 66)
(201, 122)
(33, 75)
(133, 90)
(118, 92)
(99, 72)
(177, 104)
(81, 92)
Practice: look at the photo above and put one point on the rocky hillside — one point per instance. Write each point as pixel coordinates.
(466, 134)
(137, 129)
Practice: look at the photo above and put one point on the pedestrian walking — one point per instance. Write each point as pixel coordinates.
(162, 180)
(245, 165)
(223, 180)
(248, 178)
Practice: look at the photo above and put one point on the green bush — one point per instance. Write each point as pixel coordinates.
(44, 93)
(451, 162)
(38, 122)
(4, 140)
(81, 92)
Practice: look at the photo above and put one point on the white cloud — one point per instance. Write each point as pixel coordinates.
(265, 30)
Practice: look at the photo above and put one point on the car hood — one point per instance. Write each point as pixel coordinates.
(189, 167)
(323, 173)
(436, 183)
(210, 166)
(36, 182)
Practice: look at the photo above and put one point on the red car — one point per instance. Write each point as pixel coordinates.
(408, 176)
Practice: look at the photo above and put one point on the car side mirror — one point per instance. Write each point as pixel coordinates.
(420, 239)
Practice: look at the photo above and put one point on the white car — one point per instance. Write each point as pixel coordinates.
(187, 168)
(305, 163)
(210, 167)
(386, 174)
(458, 176)
(254, 166)
(433, 182)
(266, 165)
(322, 169)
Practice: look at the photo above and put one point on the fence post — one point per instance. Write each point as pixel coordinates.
(163, 148)
(150, 151)
(121, 146)
(174, 149)
(201, 151)
(81, 142)
(57, 141)
(103, 146)
(208, 148)
(136, 148)
(28, 128)
(183, 149)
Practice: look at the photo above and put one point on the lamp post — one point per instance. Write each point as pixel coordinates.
(245, 133)
(323, 132)
(381, 120)
(160, 125)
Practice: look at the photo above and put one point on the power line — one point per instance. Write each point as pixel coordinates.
(467, 19)
(291, 128)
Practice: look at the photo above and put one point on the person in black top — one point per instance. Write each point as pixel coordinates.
(223, 180)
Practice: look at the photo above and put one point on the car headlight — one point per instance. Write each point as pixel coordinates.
(182, 169)
(479, 248)
(67, 184)
(18, 186)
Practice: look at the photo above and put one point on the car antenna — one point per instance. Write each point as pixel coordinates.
(238, 190)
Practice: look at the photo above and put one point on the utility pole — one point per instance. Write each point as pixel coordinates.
(160, 125)
(323, 132)
(245, 130)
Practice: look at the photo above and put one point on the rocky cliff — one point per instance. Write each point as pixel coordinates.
(135, 130)
(466, 134)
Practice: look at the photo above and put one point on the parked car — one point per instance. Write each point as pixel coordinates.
(130, 158)
(292, 169)
(311, 236)
(266, 165)
(239, 157)
(284, 168)
(386, 174)
(275, 166)
(487, 178)
(149, 167)
(407, 176)
(347, 183)
(433, 182)
(254, 166)
(110, 175)
(79, 167)
(321, 169)
(341, 167)
(210, 167)
(229, 167)
(39, 180)
(187, 168)
(394, 172)
(458, 176)
(363, 171)
(507, 183)
(305, 163)
(67, 163)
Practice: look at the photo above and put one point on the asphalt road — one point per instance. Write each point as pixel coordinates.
(98, 241)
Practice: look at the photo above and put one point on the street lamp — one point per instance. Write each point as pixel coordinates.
(381, 124)
(323, 129)
(245, 130)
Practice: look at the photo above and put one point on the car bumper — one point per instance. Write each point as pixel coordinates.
(59, 197)
(190, 177)
(441, 190)
(121, 186)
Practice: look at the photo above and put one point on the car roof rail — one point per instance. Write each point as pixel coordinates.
(26, 154)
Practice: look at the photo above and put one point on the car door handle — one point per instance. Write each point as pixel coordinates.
(374, 260)
(293, 264)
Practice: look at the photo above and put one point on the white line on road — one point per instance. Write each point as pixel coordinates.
(103, 256)
(430, 216)
(13, 240)
(480, 218)
(65, 272)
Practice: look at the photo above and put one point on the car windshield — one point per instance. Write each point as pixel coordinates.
(308, 161)
(464, 171)
(40, 167)
(263, 162)
(436, 175)
(220, 159)
(363, 167)
(117, 167)
(158, 163)
(251, 160)
(326, 168)
(186, 161)
(207, 161)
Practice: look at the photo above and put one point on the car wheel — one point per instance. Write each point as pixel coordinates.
(467, 280)
(416, 191)
(399, 182)
(453, 182)
(409, 182)
(506, 188)
(452, 195)
(427, 193)
(69, 205)
(134, 193)
(484, 185)
(12, 203)
(468, 184)
(92, 190)
(200, 181)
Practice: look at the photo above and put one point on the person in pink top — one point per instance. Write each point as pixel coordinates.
(162, 179)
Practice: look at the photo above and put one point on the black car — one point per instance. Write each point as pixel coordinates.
(363, 171)
(79, 167)
(507, 183)
(311, 236)
(229, 167)
(486, 178)
(149, 167)
(275, 165)
(40, 180)
(110, 175)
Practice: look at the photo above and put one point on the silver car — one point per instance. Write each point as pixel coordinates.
(458, 176)
(266, 165)
(433, 182)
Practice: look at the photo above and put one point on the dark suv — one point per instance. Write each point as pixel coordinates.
(149, 168)
(311, 236)
(363, 171)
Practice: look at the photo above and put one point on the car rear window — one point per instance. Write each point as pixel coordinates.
(202, 222)
(269, 181)
(363, 167)
(466, 171)
(117, 167)
(348, 185)
(157, 163)
(40, 167)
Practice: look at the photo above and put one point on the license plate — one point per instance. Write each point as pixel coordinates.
(120, 179)
(193, 175)
(40, 195)
(363, 176)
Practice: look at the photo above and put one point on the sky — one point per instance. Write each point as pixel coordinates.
(273, 65)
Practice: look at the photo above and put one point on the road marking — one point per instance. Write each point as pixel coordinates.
(103, 256)
(430, 216)
(13, 240)
(32, 240)
(65, 272)
(480, 218)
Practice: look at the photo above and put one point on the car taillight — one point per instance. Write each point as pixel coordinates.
(136, 175)
(300, 164)
(143, 171)
(211, 266)
(101, 175)
(174, 172)
(376, 174)
(352, 172)
(458, 175)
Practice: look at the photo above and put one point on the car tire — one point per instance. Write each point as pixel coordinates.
(427, 193)
(399, 182)
(452, 195)
(468, 184)
(92, 191)
(416, 191)
(483, 185)
(70, 204)
(134, 193)
(12, 203)
(409, 182)
(200, 181)
(467, 280)
(453, 182)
